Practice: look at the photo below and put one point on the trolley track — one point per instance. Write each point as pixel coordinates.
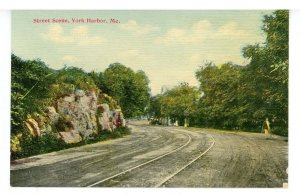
(152, 166)
(142, 164)
(157, 156)
(185, 166)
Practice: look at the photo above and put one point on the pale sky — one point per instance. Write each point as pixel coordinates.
(168, 45)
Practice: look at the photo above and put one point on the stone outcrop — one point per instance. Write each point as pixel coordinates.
(109, 120)
(32, 127)
(77, 116)
(80, 107)
(71, 137)
(118, 119)
(52, 114)
(104, 118)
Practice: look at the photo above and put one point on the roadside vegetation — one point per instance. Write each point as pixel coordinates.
(234, 97)
(49, 143)
(129, 88)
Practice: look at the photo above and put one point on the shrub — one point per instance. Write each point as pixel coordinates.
(279, 131)
(37, 145)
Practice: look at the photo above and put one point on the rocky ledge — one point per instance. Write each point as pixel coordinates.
(77, 116)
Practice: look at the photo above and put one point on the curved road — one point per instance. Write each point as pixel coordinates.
(156, 156)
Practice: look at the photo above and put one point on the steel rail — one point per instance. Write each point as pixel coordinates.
(185, 166)
(140, 165)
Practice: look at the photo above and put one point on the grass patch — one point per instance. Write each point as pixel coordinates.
(217, 130)
(49, 143)
(285, 137)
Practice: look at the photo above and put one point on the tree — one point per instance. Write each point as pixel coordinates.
(267, 73)
(154, 108)
(220, 104)
(243, 97)
(130, 89)
(178, 103)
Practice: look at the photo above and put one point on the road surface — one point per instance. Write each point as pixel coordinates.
(157, 156)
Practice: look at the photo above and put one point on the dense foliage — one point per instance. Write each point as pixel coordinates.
(240, 97)
(130, 89)
(267, 73)
(179, 104)
(29, 89)
(220, 104)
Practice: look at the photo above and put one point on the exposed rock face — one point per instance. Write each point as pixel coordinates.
(52, 114)
(86, 134)
(33, 127)
(109, 120)
(78, 115)
(105, 119)
(70, 137)
(45, 129)
(118, 119)
(80, 108)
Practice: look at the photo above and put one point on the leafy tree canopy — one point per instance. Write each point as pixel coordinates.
(130, 89)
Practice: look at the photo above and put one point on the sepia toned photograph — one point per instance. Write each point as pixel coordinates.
(149, 99)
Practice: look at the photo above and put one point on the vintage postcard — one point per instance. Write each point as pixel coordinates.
(193, 99)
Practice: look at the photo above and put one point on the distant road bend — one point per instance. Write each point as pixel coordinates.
(157, 156)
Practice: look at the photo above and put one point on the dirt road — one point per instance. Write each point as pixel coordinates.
(156, 156)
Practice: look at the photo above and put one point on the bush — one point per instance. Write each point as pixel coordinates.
(116, 133)
(279, 131)
(38, 145)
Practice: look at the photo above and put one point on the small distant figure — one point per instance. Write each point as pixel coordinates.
(266, 128)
